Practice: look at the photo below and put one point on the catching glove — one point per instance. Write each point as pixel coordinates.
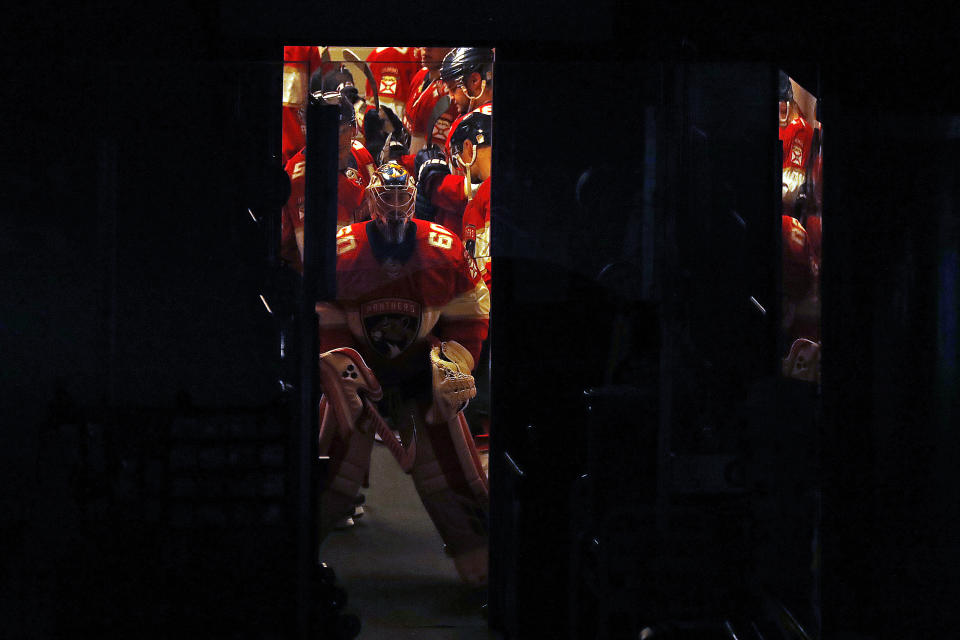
(453, 386)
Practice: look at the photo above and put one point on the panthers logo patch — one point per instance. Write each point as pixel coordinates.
(391, 325)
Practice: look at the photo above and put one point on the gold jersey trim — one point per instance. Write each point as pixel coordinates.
(472, 304)
(294, 84)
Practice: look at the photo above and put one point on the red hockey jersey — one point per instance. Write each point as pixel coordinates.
(422, 97)
(350, 189)
(449, 194)
(393, 68)
(796, 138)
(392, 306)
(476, 229)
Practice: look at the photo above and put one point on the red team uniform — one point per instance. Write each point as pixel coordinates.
(449, 195)
(393, 303)
(422, 98)
(393, 68)
(350, 188)
(800, 241)
(796, 137)
(476, 229)
(438, 285)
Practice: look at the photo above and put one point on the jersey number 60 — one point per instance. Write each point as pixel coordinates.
(440, 237)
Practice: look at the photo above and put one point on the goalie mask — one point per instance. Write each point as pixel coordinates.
(391, 197)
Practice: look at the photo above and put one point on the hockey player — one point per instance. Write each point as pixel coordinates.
(374, 125)
(443, 188)
(796, 136)
(467, 73)
(801, 230)
(471, 146)
(406, 328)
(429, 110)
(356, 167)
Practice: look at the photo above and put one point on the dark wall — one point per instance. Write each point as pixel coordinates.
(890, 383)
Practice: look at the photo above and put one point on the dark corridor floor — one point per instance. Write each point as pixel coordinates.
(392, 565)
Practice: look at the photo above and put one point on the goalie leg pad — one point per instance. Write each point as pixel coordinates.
(451, 483)
(803, 361)
(349, 464)
(343, 376)
(345, 435)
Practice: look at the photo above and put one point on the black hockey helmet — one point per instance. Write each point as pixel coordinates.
(475, 126)
(332, 80)
(785, 89)
(462, 61)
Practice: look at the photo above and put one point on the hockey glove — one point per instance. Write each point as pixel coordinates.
(383, 126)
(429, 159)
(430, 166)
(393, 149)
(453, 386)
(351, 94)
(374, 133)
(391, 121)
